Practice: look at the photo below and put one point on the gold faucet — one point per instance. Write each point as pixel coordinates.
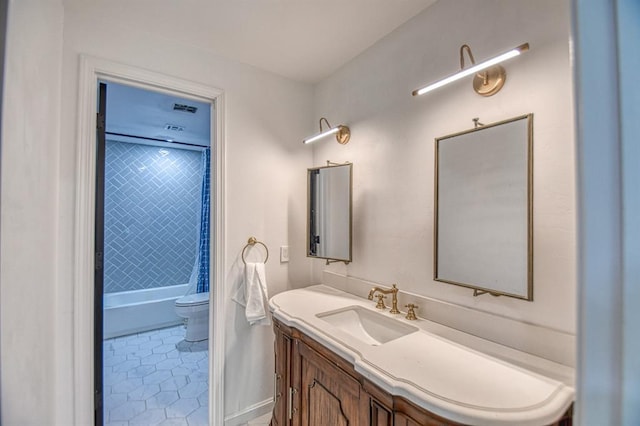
(394, 297)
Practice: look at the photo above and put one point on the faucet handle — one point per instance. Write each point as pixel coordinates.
(380, 304)
(411, 313)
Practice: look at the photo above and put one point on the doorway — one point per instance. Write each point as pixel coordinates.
(93, 71)
(152, 257)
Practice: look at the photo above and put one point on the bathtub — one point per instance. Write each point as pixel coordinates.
(129, 312)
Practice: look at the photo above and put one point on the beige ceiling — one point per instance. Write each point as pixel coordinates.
(304, 40)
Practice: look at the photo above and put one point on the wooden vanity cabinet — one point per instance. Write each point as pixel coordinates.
(407, 414)
(316, 387)
(380, 405)
(282, 383)
(327, 396)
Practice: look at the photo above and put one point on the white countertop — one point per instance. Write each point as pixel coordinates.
(456, 376)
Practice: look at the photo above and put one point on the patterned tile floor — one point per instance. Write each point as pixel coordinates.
(156, 378)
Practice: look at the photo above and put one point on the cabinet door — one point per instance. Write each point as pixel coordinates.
(328, 396)
(379, 415)
(402, 420)
(282, 345)
(422, 418)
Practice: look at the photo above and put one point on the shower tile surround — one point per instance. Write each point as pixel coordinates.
(152, 199)
(156, 378)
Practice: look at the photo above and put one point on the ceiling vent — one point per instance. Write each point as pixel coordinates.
(174, 127)
(185, 108)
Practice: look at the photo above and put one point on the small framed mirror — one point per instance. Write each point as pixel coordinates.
(484, 208)
(329, 212)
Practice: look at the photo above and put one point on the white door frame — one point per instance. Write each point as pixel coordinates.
(91, 70)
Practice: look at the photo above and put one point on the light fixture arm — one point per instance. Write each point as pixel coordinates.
(463, 48)
(482, 80)
(326, 121)
(484, 75)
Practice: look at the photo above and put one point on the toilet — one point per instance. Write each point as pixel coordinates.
(195, 309)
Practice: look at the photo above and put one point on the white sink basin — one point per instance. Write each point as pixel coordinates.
(369, 327)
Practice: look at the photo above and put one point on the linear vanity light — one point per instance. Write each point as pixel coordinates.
(343, 134)
(485, 83)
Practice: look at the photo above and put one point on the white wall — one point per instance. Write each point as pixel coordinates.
(30, 139)
(266, 164)
(392, 145)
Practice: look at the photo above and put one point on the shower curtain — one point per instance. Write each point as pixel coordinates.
(199, 280)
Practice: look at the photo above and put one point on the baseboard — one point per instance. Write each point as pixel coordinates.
(249, 413)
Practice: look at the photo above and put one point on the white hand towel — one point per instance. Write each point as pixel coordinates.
(255, 295)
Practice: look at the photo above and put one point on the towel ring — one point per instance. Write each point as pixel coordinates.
(252, 242)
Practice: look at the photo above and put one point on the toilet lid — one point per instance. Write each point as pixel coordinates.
(193, 299)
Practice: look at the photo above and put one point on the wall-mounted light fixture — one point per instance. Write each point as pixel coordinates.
(343, 134)
(485, 83)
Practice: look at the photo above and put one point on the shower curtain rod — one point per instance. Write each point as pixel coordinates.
(155, 139)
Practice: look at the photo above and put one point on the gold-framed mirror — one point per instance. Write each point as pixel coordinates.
(329, 215)
(483, 230)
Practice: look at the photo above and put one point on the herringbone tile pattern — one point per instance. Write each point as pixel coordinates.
(152, 198)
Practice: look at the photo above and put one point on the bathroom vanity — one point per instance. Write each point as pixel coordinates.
(340, 361)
